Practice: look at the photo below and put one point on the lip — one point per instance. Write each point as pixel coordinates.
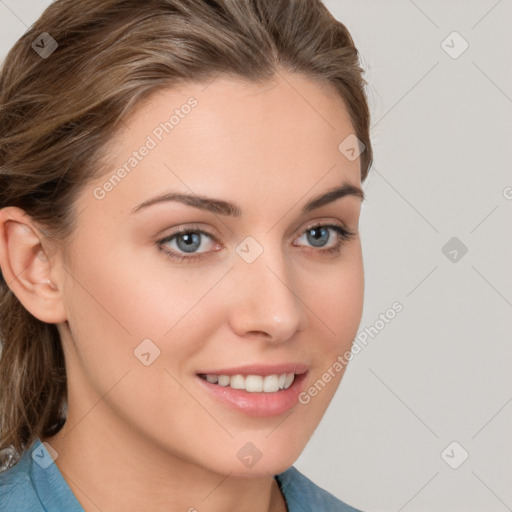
(257, 404)
(259, 369)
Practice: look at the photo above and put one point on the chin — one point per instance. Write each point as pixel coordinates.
(270, 458)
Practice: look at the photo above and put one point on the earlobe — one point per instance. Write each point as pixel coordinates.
(49, 283)
(26, 267)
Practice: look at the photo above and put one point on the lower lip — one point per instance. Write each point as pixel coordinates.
(258, 404)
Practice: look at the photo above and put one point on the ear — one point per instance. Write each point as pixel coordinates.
(30, 266)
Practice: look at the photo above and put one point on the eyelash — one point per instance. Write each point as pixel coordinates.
(344, 236)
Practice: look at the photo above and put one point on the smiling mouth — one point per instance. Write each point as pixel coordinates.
(252, 383)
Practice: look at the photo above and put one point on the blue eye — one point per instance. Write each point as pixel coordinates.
(318, 236)
(188, 240)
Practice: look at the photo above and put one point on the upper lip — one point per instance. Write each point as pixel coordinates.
(259, 369)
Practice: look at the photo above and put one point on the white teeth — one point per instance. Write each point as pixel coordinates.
(271, 384)
(254, 383)
(223, 380)
(237, 382)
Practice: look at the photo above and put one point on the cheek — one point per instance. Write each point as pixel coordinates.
(115, 304)
(118, 301)
(336, 299)
(339, 308)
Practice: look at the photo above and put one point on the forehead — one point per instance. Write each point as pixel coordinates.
(232, 137)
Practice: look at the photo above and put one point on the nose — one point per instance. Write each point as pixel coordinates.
(265, 299)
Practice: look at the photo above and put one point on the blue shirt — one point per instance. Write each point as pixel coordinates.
(35, 484)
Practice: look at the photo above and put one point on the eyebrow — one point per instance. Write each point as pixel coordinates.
(232, 209)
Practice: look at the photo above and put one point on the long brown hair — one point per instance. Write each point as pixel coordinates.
(60, 105)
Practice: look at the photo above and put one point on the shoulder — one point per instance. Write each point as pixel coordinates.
(302, 495)
(35, 484)
(17, 492)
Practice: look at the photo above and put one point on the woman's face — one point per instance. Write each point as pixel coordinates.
(253, 292)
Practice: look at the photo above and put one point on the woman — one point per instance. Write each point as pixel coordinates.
(180, 191)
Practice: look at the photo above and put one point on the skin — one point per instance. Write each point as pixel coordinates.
(151, 433)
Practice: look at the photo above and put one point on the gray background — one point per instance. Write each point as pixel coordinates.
(439, 372)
